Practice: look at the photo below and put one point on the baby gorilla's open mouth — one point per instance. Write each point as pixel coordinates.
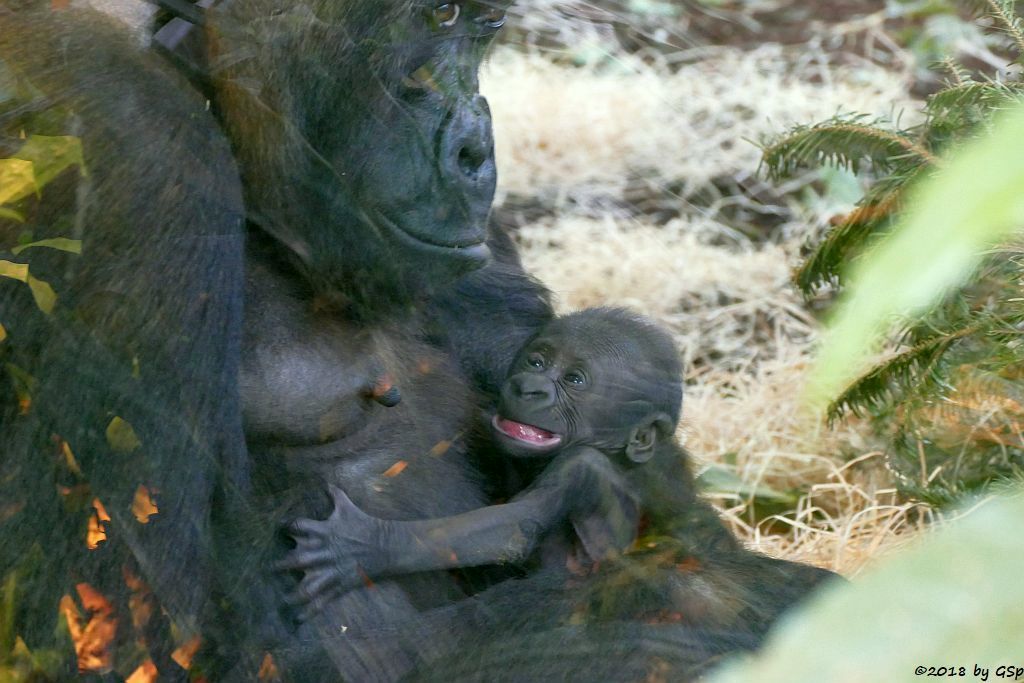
(528, 435)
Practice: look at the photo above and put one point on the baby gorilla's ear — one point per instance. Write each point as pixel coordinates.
(643, 438)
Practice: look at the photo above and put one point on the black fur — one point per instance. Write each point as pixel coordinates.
(259, 254)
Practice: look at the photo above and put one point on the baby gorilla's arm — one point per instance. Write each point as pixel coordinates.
(580, 486)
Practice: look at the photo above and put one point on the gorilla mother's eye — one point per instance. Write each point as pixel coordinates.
(535, 360)
(446, 14)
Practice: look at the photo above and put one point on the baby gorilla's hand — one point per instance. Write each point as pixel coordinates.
(335, 555)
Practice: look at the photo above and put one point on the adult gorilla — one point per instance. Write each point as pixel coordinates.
(284, 282)
(253, 267)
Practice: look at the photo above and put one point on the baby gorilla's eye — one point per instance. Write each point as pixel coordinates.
(492, 17)
(446, 14)
(574, 377)
(535, 360)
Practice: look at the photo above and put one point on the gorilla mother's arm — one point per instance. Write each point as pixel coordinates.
(581, 486)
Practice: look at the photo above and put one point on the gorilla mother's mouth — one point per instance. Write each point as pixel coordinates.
(526, 434)
(474, 248)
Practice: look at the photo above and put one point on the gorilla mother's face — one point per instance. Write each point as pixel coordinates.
(368, 112)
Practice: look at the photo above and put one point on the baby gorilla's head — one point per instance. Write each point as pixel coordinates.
(603, 377)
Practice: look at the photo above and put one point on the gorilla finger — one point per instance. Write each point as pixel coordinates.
(342, 503)
(302, 561)
(307, 528)
(319, 583)
(296, 599)
(310, 610)
(300, 597)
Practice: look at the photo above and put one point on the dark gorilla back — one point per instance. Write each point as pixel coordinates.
(157, 294)
(262, 248)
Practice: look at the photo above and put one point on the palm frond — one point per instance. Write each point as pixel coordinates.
(959, 75)
(1005, 12)
(917, 368)
(950, 403)
(824, 265)
(985, 96)
(1007, 19)
(845, 142)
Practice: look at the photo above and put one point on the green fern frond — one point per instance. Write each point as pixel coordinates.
(986, 96)
(941, 473)
(842, 142)
(1005, 14)
(824, 265)
(919, 367)
(959, 75)
(951, 401)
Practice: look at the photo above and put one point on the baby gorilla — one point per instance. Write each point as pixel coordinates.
(590, 404)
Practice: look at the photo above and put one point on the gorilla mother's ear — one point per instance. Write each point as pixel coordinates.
(643, 438)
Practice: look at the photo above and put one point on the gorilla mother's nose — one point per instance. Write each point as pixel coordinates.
(467, 148)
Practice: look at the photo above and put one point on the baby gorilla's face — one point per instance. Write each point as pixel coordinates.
(564, 390)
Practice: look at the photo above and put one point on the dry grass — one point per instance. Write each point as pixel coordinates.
(591, 129)
(729, 307)
(848, 511)
(577, 138)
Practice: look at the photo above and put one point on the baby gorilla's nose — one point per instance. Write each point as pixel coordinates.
(533, 387)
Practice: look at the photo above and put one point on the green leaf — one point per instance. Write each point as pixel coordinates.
(717, 479)
(954, 600)
(43, 293)
(11, 214)
(17, 271)
(971, 205)
(17, 180)
(51, 155)
(121, 437)
(8, 610)
(60, 243)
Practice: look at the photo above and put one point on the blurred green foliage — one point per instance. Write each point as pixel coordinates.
(37, 161)
(952, 601)
(950, 401)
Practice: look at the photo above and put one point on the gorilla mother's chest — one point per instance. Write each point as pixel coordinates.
(311, 385)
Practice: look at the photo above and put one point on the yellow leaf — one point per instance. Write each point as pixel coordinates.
(69, 458)
(17, 180)
(396, 469)
(144, 673)
(184, 654)
(3, 333)
(51, 155)
(59, 243)
(97, 531)
(94, 631)
(121, 436)
(268, 670)
(143, 506)
(18, 271)
(440, 448)
(43, 293)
